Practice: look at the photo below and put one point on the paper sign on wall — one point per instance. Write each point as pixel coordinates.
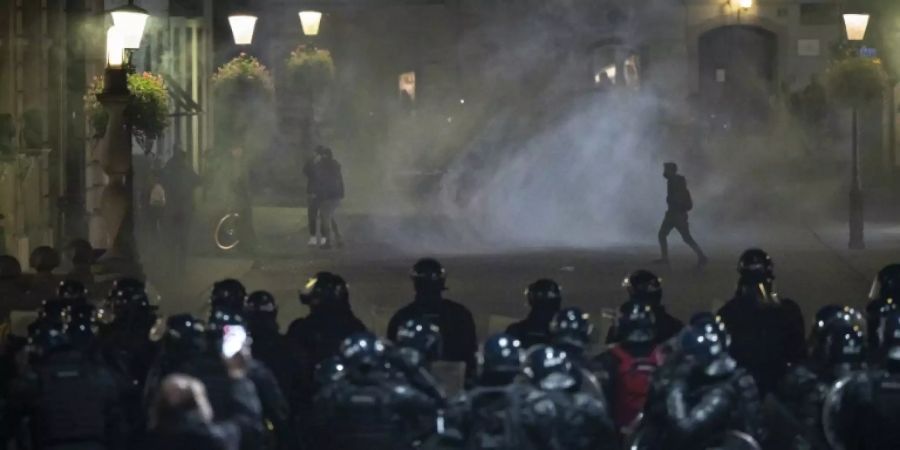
(808, 47)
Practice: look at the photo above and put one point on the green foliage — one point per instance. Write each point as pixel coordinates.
(244, 91)
(855, 81)
(310, 70)
(147, 111)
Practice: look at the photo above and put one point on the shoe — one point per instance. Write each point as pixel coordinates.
(313, 241)
(323, 241)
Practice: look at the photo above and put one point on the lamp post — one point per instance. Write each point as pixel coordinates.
(116, 203)
(855, 25)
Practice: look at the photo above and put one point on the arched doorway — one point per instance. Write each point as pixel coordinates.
(737, 74)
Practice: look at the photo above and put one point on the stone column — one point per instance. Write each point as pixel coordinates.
(117, 200)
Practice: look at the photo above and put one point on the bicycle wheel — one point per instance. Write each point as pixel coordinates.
(226, 233)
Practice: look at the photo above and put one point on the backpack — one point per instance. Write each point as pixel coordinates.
(495, 419)
(633, 378)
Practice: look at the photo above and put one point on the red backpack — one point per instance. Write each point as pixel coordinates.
(632, 383)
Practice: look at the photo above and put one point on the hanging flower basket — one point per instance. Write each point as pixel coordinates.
(243, 76)
(856, 81)
(147, 112)
(310, 70)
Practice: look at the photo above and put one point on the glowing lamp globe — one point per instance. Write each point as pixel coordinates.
(115, 47)
(310, 21)
(746, 4)
(856, 25)
(131, 20)
(242, 26)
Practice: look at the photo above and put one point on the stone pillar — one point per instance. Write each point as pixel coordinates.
(117, 200)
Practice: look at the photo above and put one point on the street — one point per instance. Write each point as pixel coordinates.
(812, 266)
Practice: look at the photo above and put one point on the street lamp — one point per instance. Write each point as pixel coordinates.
(310, 21)
(745, 4)
(855, 25)
(131, 20)
(115, 48)
(242, 26)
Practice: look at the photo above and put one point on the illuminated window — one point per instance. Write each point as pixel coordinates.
(407, 85)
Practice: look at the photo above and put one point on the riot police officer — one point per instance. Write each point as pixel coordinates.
(124, 335)
(710, 398)
(580, 420)
(500, 361)
(369, 407)
(544, 299)
(202, 357)
(454, 319)
(838, 350)
(883, 296)
(229, 295)
(862, 410)
(71, 401)
(644, 287)
(767, 331)
(571, 331)
(269, 346)
(274, 404)
(626, 369)
(330, 318)
(497, 413)
(418, 344)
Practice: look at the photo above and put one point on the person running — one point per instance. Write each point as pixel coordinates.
(679, 203)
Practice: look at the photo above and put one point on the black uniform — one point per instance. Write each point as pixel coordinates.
(456, 324)
(72, 403)
(544, 297)
(766, 338)
(767, 331)
(514, 416)
(678, 200)
(370, 407)
(319, 334)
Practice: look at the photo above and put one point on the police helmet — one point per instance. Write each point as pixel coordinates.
(228, 294)
(44, 259)
(128, 293)
(756, 266)
(571, 327)
(643, 285)
(329, 371)
(551, 369)
(44, 339)
(844, 343)
(637, 322)
(52, 311)
(71, 292)
(822, 320)
(709, 323)
(422, 335)
(9, 267)
(261, 303)
(363, 352)
(183, 333)
(325, 288)
(501, 354)
(703, 344)
(886, 284)
(428, 274)
(544, 293)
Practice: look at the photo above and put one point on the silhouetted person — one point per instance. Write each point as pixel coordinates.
(44, 260)
(328, 189)
(678, 199)
(453, 319)
(645, 287)
(544, 300)
(12, 288)
(180, 180)
(83, 256)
